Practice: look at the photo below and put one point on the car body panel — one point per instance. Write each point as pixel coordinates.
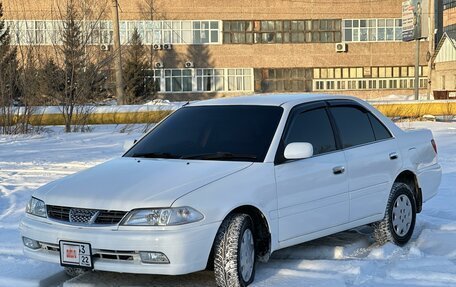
(193, 245)
(310, 196)
(371, 173)
(130, 183)
(253, 186)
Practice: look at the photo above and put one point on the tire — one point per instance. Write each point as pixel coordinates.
(74, 271)
(399, 222)
(235, 252)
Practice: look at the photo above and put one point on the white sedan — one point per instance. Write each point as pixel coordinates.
(224, 183)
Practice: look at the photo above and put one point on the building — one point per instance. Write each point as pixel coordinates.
(444, 68)
(212, 48)
(449, 18)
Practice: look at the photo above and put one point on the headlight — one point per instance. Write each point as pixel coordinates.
(36, 207)
(163, 216)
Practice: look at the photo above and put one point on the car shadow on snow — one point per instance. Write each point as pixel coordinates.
(354, 243)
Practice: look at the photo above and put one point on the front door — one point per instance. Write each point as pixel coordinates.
(312, 193)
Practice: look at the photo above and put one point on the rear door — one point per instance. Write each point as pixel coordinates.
(372, 158)
(312, 193)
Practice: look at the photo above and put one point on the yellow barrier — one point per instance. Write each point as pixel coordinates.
(417, 109)
(402, 109)
(103, 118)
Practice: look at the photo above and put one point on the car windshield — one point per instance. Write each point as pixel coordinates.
(233, 133)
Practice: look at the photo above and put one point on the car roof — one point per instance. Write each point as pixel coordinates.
(271, 99)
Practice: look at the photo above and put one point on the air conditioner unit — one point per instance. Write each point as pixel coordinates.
(104, 47)
(157, 47)
(158, 65)
(341, 47)
(189, 64)
(167, 46)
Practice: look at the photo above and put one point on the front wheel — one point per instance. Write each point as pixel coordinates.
(399, 222)
(234, 252)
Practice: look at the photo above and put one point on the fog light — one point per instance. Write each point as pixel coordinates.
(153, 257)
(30, 243)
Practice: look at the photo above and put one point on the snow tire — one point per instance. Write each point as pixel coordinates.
(227, 249)
(384, 231)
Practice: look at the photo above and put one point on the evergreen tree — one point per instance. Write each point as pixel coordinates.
(73, 61)
(138, 86)
(73, 79)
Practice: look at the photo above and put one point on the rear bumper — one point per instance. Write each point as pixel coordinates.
(429, 180)
(187, 249)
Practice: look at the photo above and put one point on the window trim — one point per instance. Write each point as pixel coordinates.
(350, 103)
(326, 104)
(298, 109)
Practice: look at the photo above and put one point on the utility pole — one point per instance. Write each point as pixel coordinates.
(417, 70)
(418, 12)
(118, 54)
(432, 39)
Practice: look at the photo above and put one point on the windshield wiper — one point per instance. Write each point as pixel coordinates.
(220, 156)
(155, 155)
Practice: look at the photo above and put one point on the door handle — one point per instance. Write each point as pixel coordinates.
(393, 155)
(338, 170)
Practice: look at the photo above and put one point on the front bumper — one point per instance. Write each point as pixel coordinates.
(187, 248)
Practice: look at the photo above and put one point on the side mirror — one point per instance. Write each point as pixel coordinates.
(128, 144)
(298, 150)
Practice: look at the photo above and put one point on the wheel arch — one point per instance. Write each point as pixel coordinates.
(261, 231)
(409, 177)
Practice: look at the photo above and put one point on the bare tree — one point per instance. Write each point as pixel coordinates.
(10, 93)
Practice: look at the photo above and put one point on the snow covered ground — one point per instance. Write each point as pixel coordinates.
(344, 259)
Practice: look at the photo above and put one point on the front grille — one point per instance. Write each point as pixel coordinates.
(79, 215)
(59, 212)
(109, 217)
(84, 216)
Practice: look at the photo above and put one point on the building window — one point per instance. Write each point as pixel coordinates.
(38, 32)
(153, 77)
(202, 80)
(283, 80)
(178, 80)
(282, 31)
(372, 30)
(367, 78)
(448, 4)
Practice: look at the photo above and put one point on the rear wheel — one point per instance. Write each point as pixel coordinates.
(234, 252)
(399, 222)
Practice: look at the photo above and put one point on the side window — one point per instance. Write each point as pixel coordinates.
(354, 126)
(313, 127)
(380, 131)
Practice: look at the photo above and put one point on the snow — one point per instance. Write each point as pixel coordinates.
(148, 107)
(346, 259)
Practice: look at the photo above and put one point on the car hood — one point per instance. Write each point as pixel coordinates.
(129, 183)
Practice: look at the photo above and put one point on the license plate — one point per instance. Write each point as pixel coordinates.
(76, 254)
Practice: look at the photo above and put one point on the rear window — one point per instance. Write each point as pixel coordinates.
(354, 126)
(380, 131)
